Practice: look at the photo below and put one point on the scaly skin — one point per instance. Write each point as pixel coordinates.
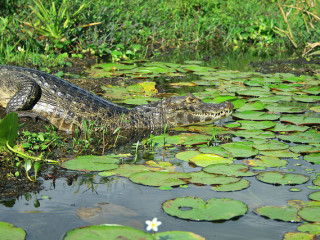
(29, 92)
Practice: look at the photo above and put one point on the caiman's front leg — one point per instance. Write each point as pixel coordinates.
(28, 93)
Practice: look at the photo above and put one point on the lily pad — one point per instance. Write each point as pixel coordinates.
(255, 124)
(313, 158)
(316, 181)
(310, 136)
(279, 153)
(271, 145)
(178, 235)
(306, 98)
(310, 214)
(256, 106)
(158, 179)
(10, 232)
(315, 196)
(254, 115)
(187, 155)
(196, 209)
(313, 228)
(106, 232)
(91, 163)
(267, 161)
(216, 150)
(315, 109)
(300, 119)
(297, 236)
(210, 179)
(279, 127)
(277, 108)
(204, 160)
(305, 148)
(238, 149)
(254, 133)
(231, 187)
(285, 213)
(236, 170)
(126, 170)
(282, 178)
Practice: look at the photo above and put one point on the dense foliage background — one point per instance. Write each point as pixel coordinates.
(36, 31)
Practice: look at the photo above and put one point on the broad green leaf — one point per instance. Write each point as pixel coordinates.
(210, 179)
(238, 149)
(235, 170)
(204, 160)
(231, 187)
(310, 214)
(10, 232)
(282, 178)
(105, 232)
(196, 209)
(8, 129)
(91, 163)
(286, 213)
(158, 179)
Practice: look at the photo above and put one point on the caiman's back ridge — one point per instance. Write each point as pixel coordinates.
(28, 92)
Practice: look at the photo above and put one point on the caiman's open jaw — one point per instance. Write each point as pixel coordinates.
(190, 110)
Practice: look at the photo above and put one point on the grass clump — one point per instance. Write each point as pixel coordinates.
(36, 32)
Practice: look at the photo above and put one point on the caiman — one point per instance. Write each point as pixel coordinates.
(31, 93)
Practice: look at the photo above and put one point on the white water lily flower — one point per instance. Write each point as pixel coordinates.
(153, 225)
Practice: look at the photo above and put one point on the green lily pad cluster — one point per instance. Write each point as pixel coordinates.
(114, 232)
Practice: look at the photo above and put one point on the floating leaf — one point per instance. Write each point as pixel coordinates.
(256, 106)
(111, 232)
(277, 108)
(10, 232)
(310, 214)
(316, 181)
(254, 133)
(280, 153)
(213, 209)
(274, 99)
(306, 98)
(187, 155)
(91, 163)
(310, 136)
(282, 178)
(254, 115)
(216, 150)
(313, 158)
(255, 124)
(300, 119)
(178, 235)
(315, 196)
(315, 109)
(298, 236)
(313, 228)
(158, 179)
(231, 187)
(239, 149)
(271, 145)
(236, 170)
(266, 161)
(210, 179)
(286, 213)
(125, 170)
(279, 127)
(305, 148)
(204, 160)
